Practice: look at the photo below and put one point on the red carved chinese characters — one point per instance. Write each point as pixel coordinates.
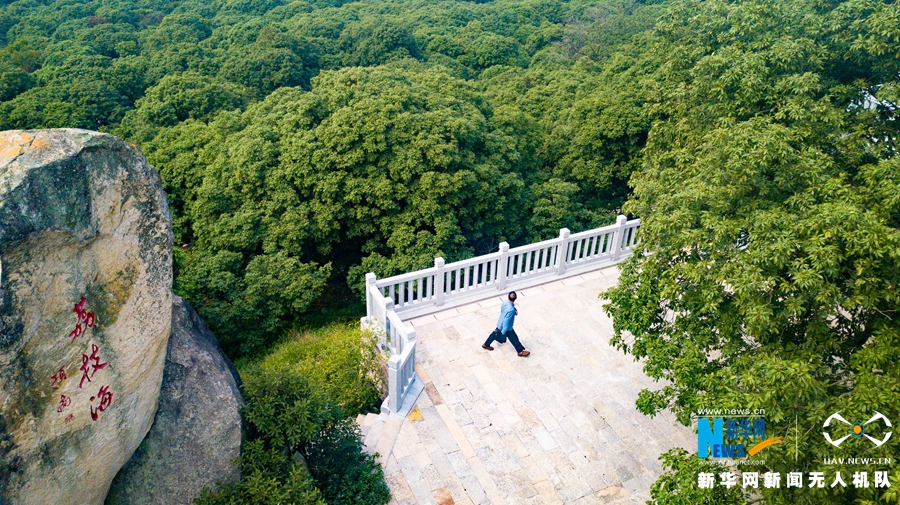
(89, 367)
(64, 401)
(86, 364)
(105, 398)
(58, 377)
(85, 320)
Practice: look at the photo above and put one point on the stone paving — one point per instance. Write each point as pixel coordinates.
(559, 426)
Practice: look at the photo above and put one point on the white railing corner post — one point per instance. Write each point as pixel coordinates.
(394, 388)
(618, 236)
(562, 253)
(439, 281)
(502, 264)
(370, 285)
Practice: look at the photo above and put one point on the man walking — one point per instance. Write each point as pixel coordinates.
(508, 313)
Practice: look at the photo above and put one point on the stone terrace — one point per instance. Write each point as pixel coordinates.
(559, 426)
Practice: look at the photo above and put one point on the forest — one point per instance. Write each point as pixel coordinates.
(339, 122)
(304, 143)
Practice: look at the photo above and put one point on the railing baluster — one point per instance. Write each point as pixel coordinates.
(503, 264)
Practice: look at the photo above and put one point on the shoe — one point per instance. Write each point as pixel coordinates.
(524, 353)
(485, 346)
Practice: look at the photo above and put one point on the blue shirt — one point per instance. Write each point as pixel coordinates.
(507, 317)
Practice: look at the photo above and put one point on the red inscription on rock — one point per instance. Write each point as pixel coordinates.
(85, 320)
(58, 377)
(105, 398)
(89, 369)
(64, 401)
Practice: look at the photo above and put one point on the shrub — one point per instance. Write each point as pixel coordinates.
(339, 359)
(268, 477)
(343, 472)
(301, 449)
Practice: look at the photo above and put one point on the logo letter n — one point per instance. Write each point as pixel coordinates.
(708, 435)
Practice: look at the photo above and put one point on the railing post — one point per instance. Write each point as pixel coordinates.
(502, 264)
(618, 236)
(388, 331)
(562, 253)
(439, 281)
(410, 371)
(394, 389)
(370, 285)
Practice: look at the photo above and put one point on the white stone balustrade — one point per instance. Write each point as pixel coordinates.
(444, 286)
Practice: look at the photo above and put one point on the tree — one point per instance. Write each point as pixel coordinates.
(378, 169)
(181, 97)
(768, 200)
(302, 450)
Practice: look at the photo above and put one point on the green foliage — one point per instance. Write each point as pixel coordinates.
(346, 168)
(678, 483)
(303, 144)
(302, 448)
(768, 198)
(345, 474)
(178, 98)
(268, 477)
(375, 41)
(285, 408)
(340, 359)
(13, 81)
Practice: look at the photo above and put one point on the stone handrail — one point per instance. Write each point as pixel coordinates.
(444, 286)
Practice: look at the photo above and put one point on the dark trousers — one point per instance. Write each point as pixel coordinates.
(511, 335)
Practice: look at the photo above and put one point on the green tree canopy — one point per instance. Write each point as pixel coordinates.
(769, 208)
(389, 166)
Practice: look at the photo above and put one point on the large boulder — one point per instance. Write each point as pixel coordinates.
(197, 431)
(85, 311)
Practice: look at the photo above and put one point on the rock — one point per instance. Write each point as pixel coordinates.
(85, 311)
(197, 431)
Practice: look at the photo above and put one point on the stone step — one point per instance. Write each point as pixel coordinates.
(374, 435)
(385, 444)
(367, 424)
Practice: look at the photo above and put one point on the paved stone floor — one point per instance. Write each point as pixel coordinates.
(557, 427)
